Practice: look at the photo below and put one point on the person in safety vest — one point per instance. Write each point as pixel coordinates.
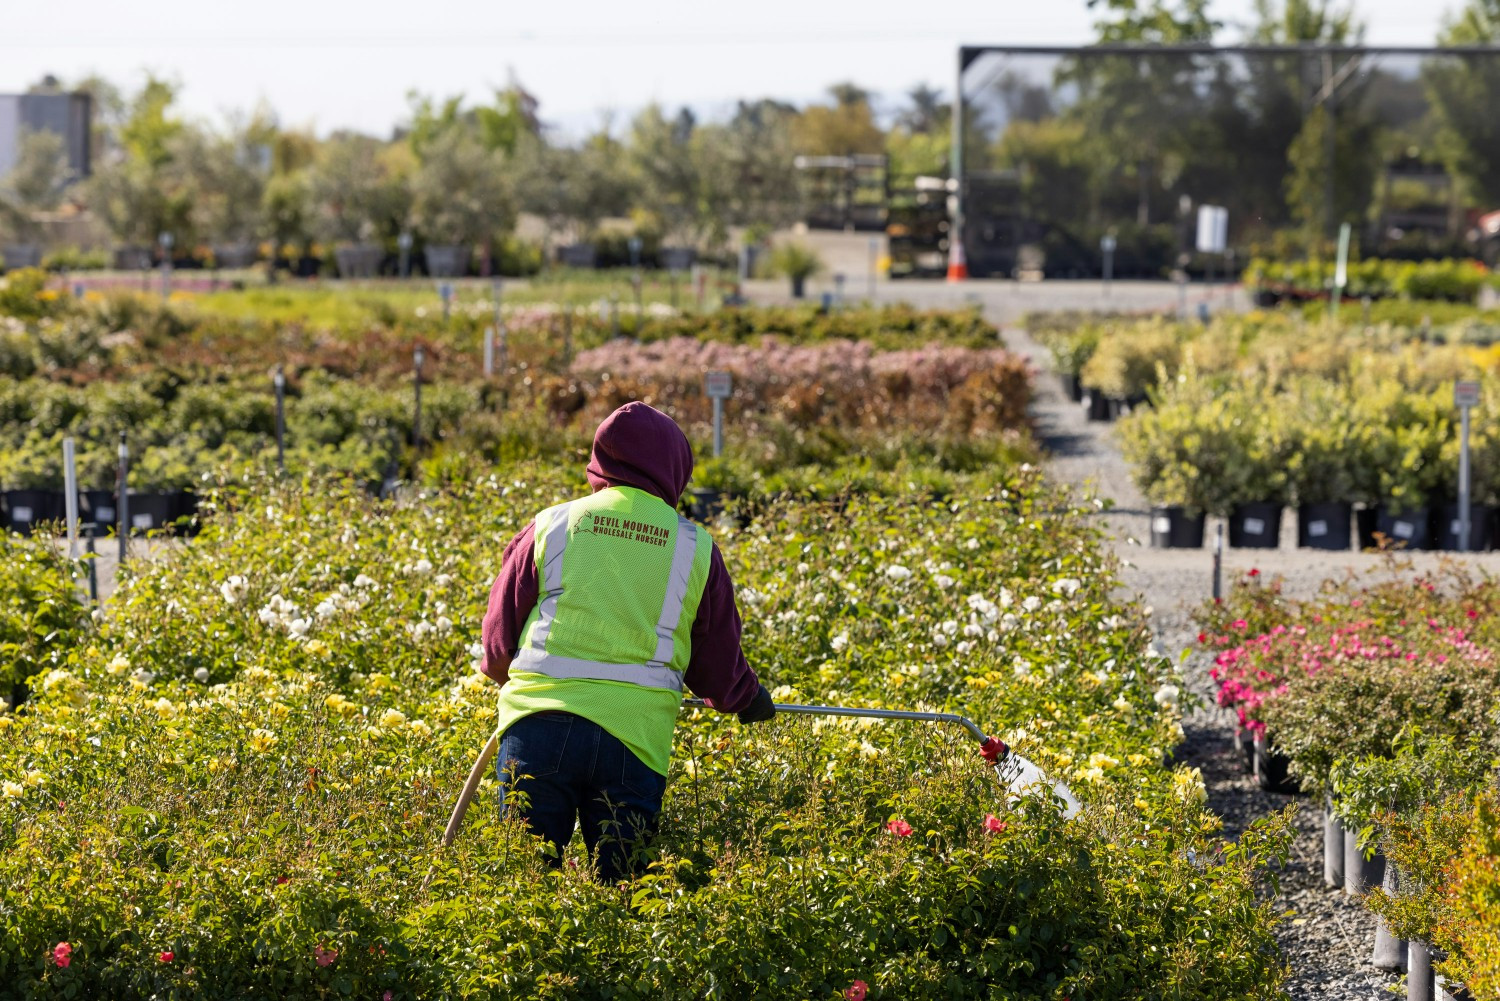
(605, 607)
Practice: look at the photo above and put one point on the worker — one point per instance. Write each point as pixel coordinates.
(604, 608)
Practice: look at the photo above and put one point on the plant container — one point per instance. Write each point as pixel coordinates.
(1255, 526)
(1333, 848)
(446, 260)
(25, 508)
(1365, 519)
(1071, 387)
(1324, 526)
(1409, 529)
(1389, 953)
(1481, 528)
(678, 258)
(1098, 406)
(1271, 767)
(358, 260)
(578, 255)
(150, 511)
(235, 255)
(1360, 873)
(799, 286)
(1176, 528)
(1419, 985)
(1244, 743)
(21, 255)
(1446, 990)
(706, 503)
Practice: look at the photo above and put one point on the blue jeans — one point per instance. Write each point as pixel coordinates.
(568, 769)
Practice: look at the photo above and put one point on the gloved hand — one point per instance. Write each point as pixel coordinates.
(760, 710)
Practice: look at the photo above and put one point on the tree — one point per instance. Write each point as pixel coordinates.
(1354, 169)
(673, 175)
(459, 191)
(352, 189)
(139, 190)
(229, 174)
(1154, 23)
(842, 129)
(926, 112)
(35, 184)
(1463, 91)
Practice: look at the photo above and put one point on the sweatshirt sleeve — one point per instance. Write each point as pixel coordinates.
(717, 671)
(512, 598)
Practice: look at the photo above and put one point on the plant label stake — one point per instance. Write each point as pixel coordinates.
(1340, 272)
(500, 330)
(1465, 398)
(1107, 248)
(404, 242)
(70, 488)
(417, 357)
(445, 291)
(489, 352)
(279, 381)
(122, 497)
(718, 386)
(874, 264)
(166, 240)
(1017, 775)
(1218, 585)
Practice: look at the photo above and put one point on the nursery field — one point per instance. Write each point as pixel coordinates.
(1254, 413)
(233, 779)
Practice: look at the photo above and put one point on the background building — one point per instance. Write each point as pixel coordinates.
(68, 115)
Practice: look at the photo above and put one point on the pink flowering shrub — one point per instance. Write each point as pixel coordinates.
(839, 383)
(1338, 676)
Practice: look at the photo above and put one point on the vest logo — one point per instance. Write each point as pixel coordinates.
(621, 528)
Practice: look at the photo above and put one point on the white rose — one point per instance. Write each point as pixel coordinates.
(201, 675)
(1167, 695)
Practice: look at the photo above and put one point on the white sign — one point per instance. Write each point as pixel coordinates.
(1213, 229)
(1107, 244)
(718, 385)
(1466, 394)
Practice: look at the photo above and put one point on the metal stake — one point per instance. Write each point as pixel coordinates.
(1219, 562)
(279, 382)
(122, 500)
(416, 420)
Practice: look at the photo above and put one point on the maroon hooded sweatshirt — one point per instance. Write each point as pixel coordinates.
(636, 446)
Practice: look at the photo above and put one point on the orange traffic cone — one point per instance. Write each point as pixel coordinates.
(958, 268)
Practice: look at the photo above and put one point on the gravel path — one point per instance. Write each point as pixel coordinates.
(1327, 937)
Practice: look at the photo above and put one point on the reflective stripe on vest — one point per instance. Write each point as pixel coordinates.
(655, 673)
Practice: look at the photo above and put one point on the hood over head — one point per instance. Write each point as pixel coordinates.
(639, 446)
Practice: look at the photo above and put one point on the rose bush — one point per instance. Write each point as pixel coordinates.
(247, 763)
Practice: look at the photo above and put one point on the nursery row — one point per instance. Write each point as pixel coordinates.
(1244, 448)
(792, 406)
(234, 781)
(1443, 280)
(1125, 359)
(1381, 697)
(371, 333)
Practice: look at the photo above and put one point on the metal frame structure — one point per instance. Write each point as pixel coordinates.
(1338, 64)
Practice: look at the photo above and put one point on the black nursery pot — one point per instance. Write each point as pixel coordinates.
(1409, 529)
(25, 508)
(1365, 519)
(1244, 745)
(1324, 526)
(1175, 528)
(1271, 768)
(98, 506)
(1071, 386)
(1255, 526)
(1100, 407)
(1481, 528)
(151, 511)
(707, 503)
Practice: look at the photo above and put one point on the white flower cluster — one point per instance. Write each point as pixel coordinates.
(279, 613)
(345, 599)
(234, 589)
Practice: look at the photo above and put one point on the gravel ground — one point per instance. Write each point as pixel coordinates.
(1327, 937)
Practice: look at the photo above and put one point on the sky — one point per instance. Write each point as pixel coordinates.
(329, 64)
